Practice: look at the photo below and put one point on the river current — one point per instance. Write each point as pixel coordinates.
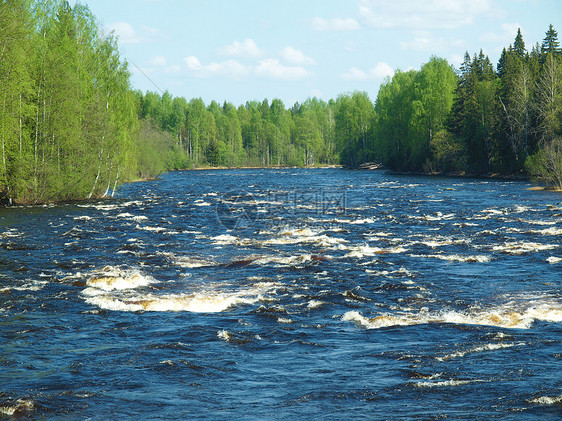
(283, 294)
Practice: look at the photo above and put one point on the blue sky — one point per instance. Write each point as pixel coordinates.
(294, 49)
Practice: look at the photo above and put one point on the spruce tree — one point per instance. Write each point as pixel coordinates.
(550, 44)
(519, 45)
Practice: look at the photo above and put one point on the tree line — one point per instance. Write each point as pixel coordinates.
(475, 120)
(263, 134)
(71, 126)
(478, 120)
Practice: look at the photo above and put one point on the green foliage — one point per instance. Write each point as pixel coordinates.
(72, 128)
(546, 164)
(353, 118)
(410, 110)
(256, 134)
(68, 118)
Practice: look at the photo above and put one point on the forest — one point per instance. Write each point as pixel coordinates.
(476, 120)
(72, 127)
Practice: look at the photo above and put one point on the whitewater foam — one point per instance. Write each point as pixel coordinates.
(28, 286)
(19, 407)
(207, 301)
(112, 278)
(445, 383)
(477, 349)
(547, 400)
(365, 250)
(512, 315)
(522, 247)
(456, 258)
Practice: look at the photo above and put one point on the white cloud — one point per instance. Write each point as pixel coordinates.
(193, 63)
(379, 71)
(229, 68)
(336, 24)
(355, 74)
(429, 14)
(125, 32)
(275, 70)
(382, 70)
(293, 56)
(158, 61)
(244, 49)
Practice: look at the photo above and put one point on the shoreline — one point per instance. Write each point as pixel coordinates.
(487, 176)
(272, 167)
(461, 175)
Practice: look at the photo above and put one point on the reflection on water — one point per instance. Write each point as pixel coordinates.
(285, 293)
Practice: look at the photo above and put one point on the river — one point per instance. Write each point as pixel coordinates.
(286, 294)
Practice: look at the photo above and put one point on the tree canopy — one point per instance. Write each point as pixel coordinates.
(71, 127)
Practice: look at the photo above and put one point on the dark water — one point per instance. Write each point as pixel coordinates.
(282, 294)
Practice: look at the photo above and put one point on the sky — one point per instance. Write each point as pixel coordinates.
(241, 50)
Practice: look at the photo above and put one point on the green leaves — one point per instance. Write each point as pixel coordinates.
(67, 116)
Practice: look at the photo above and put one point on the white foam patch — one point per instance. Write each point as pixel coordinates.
(512, 315)
(298, 236)
(360, 221)
(548, 231)
(553, 260)
(522, 247)
(18, 407)
(537, 222)
(132, 203)
(104, 207)
(438, 216)
(111, 278)
(284, 320)
(202, 203)
(391, 274)
(314, 304)
(28, 286)
(153, 229)
(445, 383)
(547, 400)
(225, 239)
(477, 349)
(210, 301)
(224, 335)
(11, 233)
(456, 258)
(365, 250)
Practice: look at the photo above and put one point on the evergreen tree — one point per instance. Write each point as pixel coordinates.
(519, 45)
(550, 44)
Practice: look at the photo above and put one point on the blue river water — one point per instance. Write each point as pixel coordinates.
(285, 294)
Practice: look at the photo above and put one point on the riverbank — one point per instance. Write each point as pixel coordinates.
(275, 167)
